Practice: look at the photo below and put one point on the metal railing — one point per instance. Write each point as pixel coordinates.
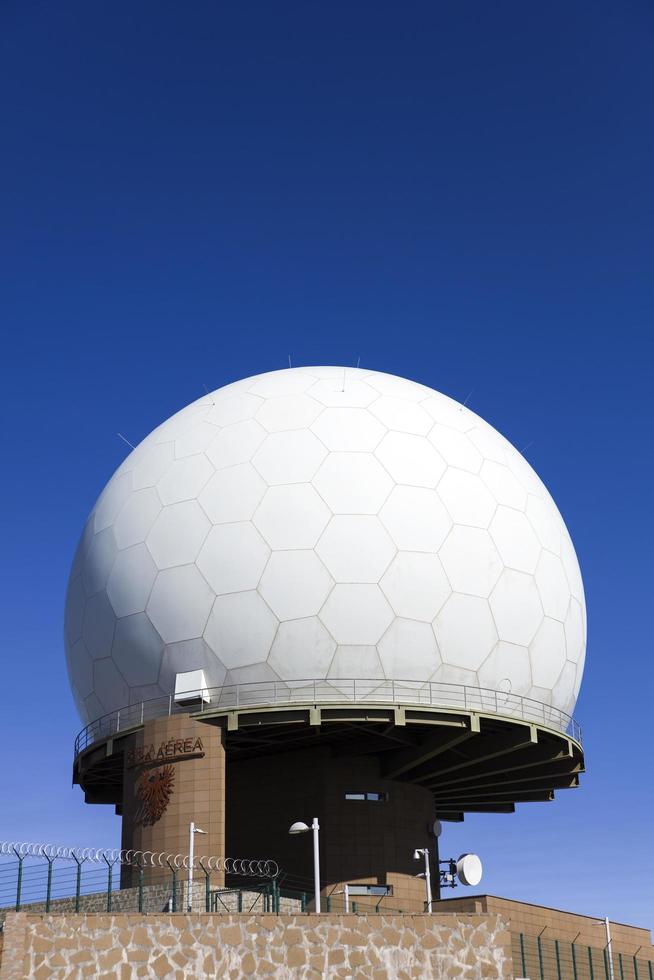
(453, 697)
(540, 958)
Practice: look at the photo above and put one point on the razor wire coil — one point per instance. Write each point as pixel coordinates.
(243, 867)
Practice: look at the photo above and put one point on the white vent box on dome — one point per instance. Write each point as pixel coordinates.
(191, 686)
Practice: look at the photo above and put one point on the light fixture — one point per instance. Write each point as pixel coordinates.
(417, 854)
(299, 827)
(192, 831)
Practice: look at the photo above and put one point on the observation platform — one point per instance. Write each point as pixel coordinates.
(475, 750)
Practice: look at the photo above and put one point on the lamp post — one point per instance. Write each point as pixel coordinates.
(192, 831)
(609, 947)
(301, 828)
(424, 851)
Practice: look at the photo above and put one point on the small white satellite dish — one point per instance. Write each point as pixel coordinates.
(436, 828)
(468, 869)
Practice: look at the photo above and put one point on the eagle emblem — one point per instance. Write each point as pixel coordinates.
(154, 788)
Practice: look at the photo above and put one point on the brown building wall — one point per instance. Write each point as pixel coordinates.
(535, 920)
(360, 841)
(174, 773)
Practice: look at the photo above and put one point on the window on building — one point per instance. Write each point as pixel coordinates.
(370, 889)
(368, 797)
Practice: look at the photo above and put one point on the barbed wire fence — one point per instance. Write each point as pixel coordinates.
(51, 877)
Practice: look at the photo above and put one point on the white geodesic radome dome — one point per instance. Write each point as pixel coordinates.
(324, 522)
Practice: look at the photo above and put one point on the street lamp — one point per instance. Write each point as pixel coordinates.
(301, 828)
(192, 831)
(417, 854)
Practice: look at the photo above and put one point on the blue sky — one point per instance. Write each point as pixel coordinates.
(460, 193)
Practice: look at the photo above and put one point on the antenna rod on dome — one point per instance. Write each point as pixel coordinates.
(358, 362)
(468, 396)
(121, 436)
(343, 388)
(289, 361)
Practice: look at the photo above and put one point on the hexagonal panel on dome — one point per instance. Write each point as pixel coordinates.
(396, 387)
(574, 631)
(136, 518)
(548, 653)
(233, 557)
(110, 683)
(349, 430)
(410, 459)
(571, 567)
(131, 580)
(302, 649)
(563, 692)
(416, 586)
(343, 391)
(295, 584)
(415, 518)
(552, 585)
(546, 522)
(196, 440)
(184, 479)
(356, 661)
(287, 382)
(182, 422)
(74, 613)
(98, 628)
(289, 457)
(490, 443)
(503, 484)
(291, 517)
(177, 534)
(233, 408)
(356, 614)
(137, 650)
(408, 650)
(515, 539)
(455, 448)
(288, 412)
(179, 603)
(241, 629)
(81, 667)
(355, 548)
(465, 631)
(232, 494)
(400, 415)
(152, 465)
(467, 499)
(111, 500)
(507, 668)
(99, 560)
(353, 483)
(516, 606)
(236, 444)
(448, 412)
(471, 561)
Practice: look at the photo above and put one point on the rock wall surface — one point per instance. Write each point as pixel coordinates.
(281, 947)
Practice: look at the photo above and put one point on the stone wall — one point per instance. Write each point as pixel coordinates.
(281, 947)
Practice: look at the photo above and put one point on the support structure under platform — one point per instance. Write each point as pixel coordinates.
(377, 775)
